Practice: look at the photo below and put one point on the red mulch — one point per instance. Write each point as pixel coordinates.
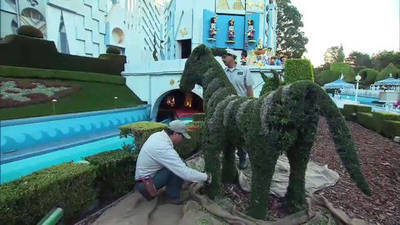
(36, 97)
(379, 159)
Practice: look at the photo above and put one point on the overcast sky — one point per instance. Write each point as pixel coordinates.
(368, 26)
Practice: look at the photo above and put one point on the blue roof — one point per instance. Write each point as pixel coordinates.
(338, 84)
(388, 81)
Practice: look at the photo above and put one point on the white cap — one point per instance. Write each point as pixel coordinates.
(231, 52)
(179, 127)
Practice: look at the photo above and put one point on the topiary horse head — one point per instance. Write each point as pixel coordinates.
(284, 120)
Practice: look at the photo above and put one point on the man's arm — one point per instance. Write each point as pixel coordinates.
(249, 83)
(249, 90)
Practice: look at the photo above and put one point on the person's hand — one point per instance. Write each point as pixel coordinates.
(209, 179)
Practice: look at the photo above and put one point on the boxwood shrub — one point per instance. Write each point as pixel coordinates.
(298, 69)
(189, 146)
(115, 171)
(391, 128)
(385, 73)
(380, 117)
(27, 200)
(366, 120)
(140, 131)
(198, 116)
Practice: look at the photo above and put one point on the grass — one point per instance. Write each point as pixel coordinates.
(92, 96)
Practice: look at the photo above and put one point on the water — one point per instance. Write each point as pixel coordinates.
(362, 100)
(16, 169)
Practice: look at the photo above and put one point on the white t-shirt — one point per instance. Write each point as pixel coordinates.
(158, 152)
(240, 77)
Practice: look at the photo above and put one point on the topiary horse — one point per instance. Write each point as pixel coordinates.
(284, 120)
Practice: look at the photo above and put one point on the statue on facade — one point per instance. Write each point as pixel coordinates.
(231, 31)
(251, 31)
(213, 29)
(270, 29)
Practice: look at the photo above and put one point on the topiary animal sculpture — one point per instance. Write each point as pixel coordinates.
(285, 120)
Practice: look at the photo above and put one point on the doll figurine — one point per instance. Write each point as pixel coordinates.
(251, 31)
(231, 31)
(213, 28)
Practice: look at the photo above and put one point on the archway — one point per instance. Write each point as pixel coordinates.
(176, 104)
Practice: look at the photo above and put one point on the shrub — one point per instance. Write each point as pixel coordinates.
(380, 117)
(30, 31)
(366, 120)
(391, 128)
(385, 73)
(298, 69)
(327, 76)
(27, 200)
(348, 72)
(363, 108)
(368, 76)
(198, 116)
(140, 131)
(189, 146)
(270, 84)
(115, 173)
(113, 50)
(350, 111)
(24, 72)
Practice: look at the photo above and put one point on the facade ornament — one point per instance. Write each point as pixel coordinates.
(213, 29)
(231, 31)
(251, 31)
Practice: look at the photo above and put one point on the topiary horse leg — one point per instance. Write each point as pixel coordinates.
(298, 156)
(228, 164)
(263, 157)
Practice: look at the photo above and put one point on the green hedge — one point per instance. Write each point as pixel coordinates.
(189, 146)
(390, 69)
(380, 117)
(391, 128)
(25, 72)
(326, 76)
(218, 51)
(366, 120)
(298, 69)
(27, 200)
(115, 171)
(198, 116)
(368, 76)
(350, 111)
(23, 51)
(140, 131)
(348, 72)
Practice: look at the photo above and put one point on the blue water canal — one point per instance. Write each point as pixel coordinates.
(29, 145)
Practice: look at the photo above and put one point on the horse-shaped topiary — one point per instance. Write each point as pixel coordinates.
(284, 120)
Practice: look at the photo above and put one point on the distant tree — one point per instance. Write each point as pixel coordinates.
(359, 60)
(383, 59)
(290, 39)
(334, 54)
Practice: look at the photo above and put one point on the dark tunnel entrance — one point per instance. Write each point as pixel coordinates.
(179, 105)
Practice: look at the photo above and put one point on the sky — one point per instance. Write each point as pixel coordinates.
(368, 26)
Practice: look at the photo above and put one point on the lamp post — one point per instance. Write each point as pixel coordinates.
(54, 101)
(358, 78)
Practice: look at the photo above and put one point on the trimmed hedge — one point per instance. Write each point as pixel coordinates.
(380, 117)
(23, 51)
(350, 111)
(115, 172)
(27, 200)
(368, 76)
(113, 50)
(218, 51)
(348, 72)
(189, 146)
(327, 76)
(366, 120)
(298, 69)
(140, 131)
(30, 31)
(24, 72)
(198, 116)
(389, 69)
(391, 128)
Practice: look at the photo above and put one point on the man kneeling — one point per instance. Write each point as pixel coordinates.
(159, 165)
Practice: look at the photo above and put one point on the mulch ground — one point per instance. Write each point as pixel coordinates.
(380, 163)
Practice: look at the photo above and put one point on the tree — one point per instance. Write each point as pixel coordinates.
(334, 54)
(359, 59)
(290, 39)
(384, 58)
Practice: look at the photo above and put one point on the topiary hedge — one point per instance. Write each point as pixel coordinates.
(366, 120)
(115, 172)
(113, 50)
(391, 128)
(218, 51)
(198, 117)
(30, 31)
(27, 200)
(368, 76)
(327, 76)
(389, 69)
(380, 117)
(25, 72)
(348, 72)
(140, 131)
(189, 146)
(298, 69)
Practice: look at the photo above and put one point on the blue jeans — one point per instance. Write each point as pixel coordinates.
(161, 178)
